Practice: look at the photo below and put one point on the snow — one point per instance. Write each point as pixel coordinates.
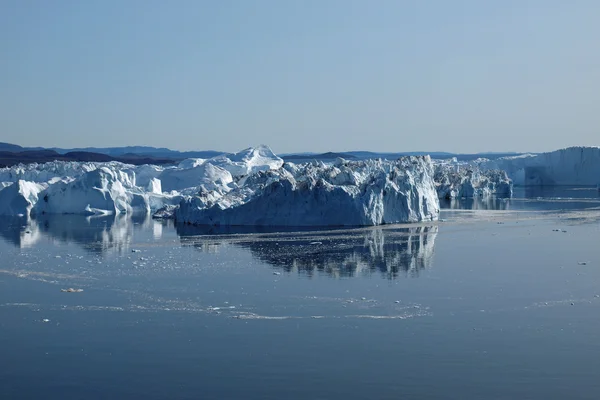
(570, 166)
(349, 193)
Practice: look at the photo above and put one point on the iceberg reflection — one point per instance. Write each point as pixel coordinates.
(389, 251)
(98, 235)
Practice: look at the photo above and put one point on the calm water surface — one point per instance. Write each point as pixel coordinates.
(498, 304)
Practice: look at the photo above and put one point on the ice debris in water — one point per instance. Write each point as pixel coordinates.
(71, 290)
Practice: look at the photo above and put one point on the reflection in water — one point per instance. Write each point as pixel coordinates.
(390, 250)
(562, 192)
(19, 231)
(491, 203)
(342, 253)
(97, 235)
(532, 198)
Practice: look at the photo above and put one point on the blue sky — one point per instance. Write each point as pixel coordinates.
(312, 75)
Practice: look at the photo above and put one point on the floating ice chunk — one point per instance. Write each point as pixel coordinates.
(71, 290)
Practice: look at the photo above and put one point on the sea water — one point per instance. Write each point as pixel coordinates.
(495, 302)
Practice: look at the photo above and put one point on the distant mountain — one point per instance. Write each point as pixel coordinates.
(145, 151)
(162, 155)
(370, 155)
(364, 155)
(302, 157)
(10, 158)
(10, 147)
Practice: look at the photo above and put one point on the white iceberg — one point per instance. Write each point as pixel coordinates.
(101, 191)
(349, 193)
(458, 181)
(252, 187)
(18, 198)
(88, 188)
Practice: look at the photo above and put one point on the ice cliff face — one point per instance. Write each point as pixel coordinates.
(347, 193)
(458, 181)
(570, 166)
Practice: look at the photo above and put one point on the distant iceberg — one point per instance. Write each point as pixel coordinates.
(570, 166)
(468, 181)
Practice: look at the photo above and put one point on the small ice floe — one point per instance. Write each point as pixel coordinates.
(315, 243)
(57, 257)
(71, 290)
(45, 320)
(276, 273)
(363, 298)
(397, 302)
(135, 251)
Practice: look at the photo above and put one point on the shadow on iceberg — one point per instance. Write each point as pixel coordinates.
(389, 251)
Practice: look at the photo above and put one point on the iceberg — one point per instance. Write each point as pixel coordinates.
(251, 188)
(102, 188)
(18, 198)
(570, 166)
(101, 191)
(347, 193)
(457, 181)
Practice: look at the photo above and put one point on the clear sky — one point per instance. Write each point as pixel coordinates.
(301, 75)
